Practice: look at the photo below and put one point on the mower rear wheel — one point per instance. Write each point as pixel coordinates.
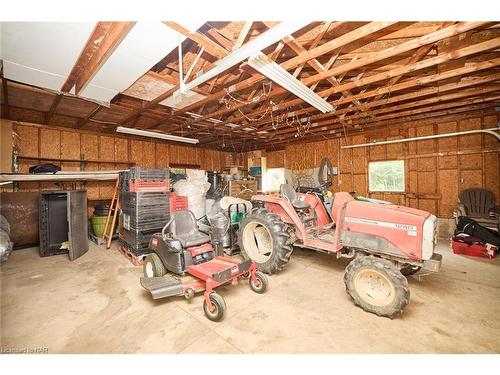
(218, 309)
(261, 284)
(263, 239)
(377, 286)
(153, 266)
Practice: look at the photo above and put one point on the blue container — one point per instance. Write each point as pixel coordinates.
(255, 170)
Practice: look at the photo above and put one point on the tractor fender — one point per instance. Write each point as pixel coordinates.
(284, 209)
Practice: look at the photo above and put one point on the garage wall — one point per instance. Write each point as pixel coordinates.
(65, 147)
(436, 171)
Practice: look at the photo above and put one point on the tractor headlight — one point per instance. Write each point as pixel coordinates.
(429, 237)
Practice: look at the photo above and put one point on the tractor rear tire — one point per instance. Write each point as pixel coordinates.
(263, 238)
(153, 266)
(377, 286)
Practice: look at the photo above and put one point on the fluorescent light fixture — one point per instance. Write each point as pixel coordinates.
(276, 73)
(254, 46)
(145, 133)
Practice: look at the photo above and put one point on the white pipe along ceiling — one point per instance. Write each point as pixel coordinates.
(490, 131)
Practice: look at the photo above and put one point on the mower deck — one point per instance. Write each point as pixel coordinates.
(207, 275)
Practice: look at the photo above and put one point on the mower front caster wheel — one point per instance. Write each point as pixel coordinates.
(260, 284)
(218, 307)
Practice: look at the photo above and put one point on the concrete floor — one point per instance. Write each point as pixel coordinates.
(96, 305)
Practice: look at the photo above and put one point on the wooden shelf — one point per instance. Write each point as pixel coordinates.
(75, 160)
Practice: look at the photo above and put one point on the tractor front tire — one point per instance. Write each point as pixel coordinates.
(263, 238)
(377, 286)
(153, 266)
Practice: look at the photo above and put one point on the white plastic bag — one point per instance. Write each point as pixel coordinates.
(195, 186)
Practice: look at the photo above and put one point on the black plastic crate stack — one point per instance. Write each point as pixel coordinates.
(143, 213)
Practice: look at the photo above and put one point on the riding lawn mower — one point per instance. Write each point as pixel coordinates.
(184, 262)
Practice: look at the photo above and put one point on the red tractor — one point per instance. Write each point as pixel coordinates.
(386, 242)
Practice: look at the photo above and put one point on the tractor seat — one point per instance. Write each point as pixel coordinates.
(185, 229)
(287, 191)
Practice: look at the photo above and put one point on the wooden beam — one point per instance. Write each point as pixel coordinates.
(210, 47)
(419, 55)
(100, 45)
(289, 64)
(5, 92)
(341, 114)
(434, 37)
(221, 39)
(389, 52)
(316, 65)
(86, 119)
(408, 106)
(445, 115)
(243, 34)
(52, 109)
(463, 52)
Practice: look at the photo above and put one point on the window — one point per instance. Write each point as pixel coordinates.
(273, 178)
(386, 175)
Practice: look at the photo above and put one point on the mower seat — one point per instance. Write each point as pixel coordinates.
(185, 229)
(287, 191)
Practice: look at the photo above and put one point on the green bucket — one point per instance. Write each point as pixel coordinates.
(236, 217)
(98, 223)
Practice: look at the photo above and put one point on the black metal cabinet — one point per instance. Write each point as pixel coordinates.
(63, 218)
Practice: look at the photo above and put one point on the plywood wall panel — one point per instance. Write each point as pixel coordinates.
(50, 143)
(425, 146)
(449, 143)
(448, 189)
(121, 150)
(470, 179)
(276, 159)
(429, 205)
(321, 151)
(471, 161)
(148, 158)
(445, 162)
(378, 152)
(346, 160)
(346, 182)
(359, 164)
(492, 177)
(106, 148)
(393, 198)
(469, 142)
(489, 141)
(412, 164)
(70, 145)
(27, 140)
(412, 182)
(161, 155)
(136, 152)
(310, 154)
(89, 146)
(333, 151)
(359, 184)
(426, 182)
(426, 164)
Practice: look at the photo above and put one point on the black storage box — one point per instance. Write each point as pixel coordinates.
(63, 218)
